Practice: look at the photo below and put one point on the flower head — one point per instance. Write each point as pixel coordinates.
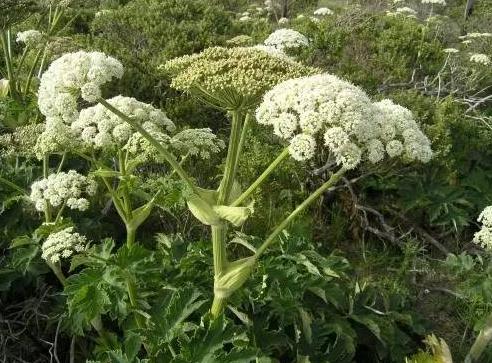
(323, 12)
(62, 244)
(70, 189)
(436, 2)
(450, 50)
(101, 129)
(197, 142)
(307, 109)
(29, 37)
(484, 236)
(480, 59)
(286, 38)
(231, 78)
(71, 76)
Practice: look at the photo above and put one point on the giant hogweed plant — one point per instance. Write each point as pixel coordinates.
(306, 109)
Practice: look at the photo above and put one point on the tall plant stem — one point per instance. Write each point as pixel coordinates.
(231, 159)
(219, 233)
(300, 208)
(160, 148)
(5, 37)
(46, 170)
(31, 71)
(261, 178)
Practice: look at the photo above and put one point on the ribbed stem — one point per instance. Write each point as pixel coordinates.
(218, 306)
(231, 159)
(219, 249)
(301, 207)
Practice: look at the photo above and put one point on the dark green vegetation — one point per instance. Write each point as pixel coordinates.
(378, 264)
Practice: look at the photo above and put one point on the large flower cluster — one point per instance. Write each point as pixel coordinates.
(286, 38)
(29, 37)
(71, 76)
(231, 78)
(484, 236)
(101, 129)
(301, 110)
(480, 59)
(197, 142)
(20, 142)
(62, 244)
(56, 137)
(323, 12)
(70, 189)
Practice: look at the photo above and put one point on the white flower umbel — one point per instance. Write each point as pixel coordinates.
(479, 58)
(323, 12)
(57, 137)
(406, 11)
(434, 2)
(197, 142)
(283, 21)
(401, 133)
(484, 236)
(327, 110)
(70, 189)
(450, 50)
(71, 76)
(31, 38)
(101, 129)
(62, 244)
(286, 38)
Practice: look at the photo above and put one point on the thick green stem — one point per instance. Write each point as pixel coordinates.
(261, 178)
(231, 159)
(46, 170)
(57, 271)
(218, 306)
(160, 148)
(5, 36)
(242, 140)
(300, 208)
(130, 235)
(219, 249)
(219, 233)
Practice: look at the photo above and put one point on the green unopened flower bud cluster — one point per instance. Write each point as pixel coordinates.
(231, 78)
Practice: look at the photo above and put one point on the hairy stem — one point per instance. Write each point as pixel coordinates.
(300, 208)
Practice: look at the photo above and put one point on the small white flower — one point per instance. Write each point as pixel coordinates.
(484, 236)
(197, 142)
(70, 189)
(437, 2)
(62, 244)
(450, 50)
(71, 76)
(29, 37)
(245, 18)
(283, 21)
(302, 147)
(323, 12)
(480, 59)
(286, 38)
